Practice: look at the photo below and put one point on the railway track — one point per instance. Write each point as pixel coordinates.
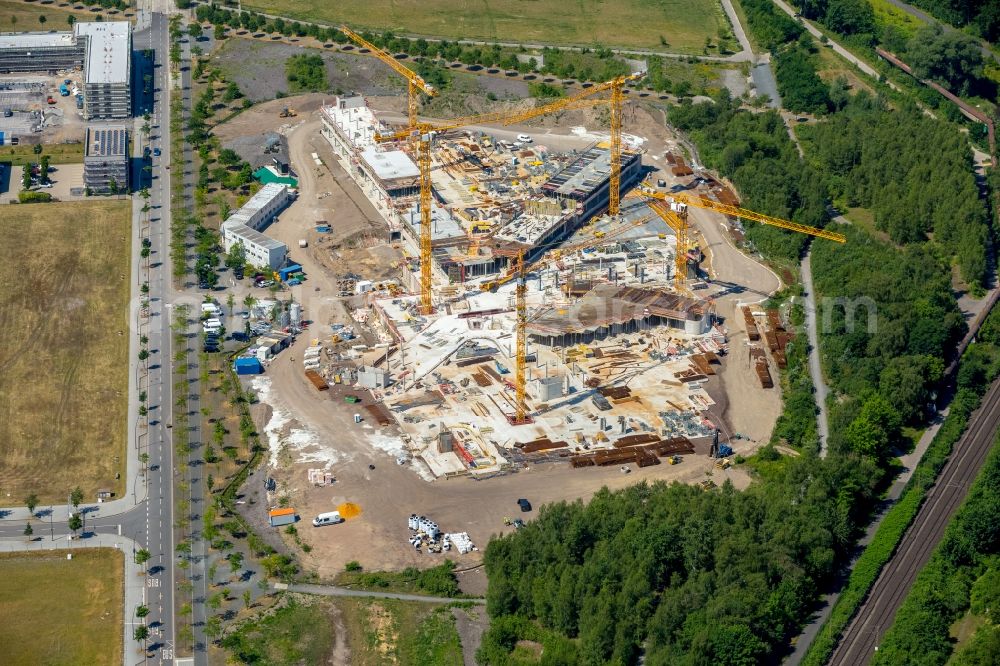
(861, 638)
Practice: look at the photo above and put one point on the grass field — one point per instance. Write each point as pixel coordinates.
(64, 293)
(297, 631)
(407, 633)
(18, 16)
(683, 24)
(59, 153)
(59, 611)
(887, 14)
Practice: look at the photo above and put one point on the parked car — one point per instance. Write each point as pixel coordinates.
(524, 138)
(524, 504)
(156, 152)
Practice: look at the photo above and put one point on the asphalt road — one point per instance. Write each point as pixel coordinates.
(154, 523)
(876, 614)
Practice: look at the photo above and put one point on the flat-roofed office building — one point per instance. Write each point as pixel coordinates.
(105, 160)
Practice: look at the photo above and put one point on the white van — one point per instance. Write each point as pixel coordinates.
(331, 518)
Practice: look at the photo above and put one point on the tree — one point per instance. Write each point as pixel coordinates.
(950, 58)
(141, 611)
(233, 92)
(247, 598)
(850, 17)
(76, 496)
(31, 501)
(235, 561)
(143, 355)
(28, 530)
(140, 633)
(229, 157)
(43, 169)
(71, 20)
(37, 149)
(26, 177)
(213, 627)
(219, 32)
(142, 556)
(41, 18)
(75, 522)
(195, 30)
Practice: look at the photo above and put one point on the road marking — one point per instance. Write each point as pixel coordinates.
(152, 582)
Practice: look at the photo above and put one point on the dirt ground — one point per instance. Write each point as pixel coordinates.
(313, 429)
(258, 68)
(323, 431)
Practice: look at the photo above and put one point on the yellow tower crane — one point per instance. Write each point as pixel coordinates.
(672, 209)
(415, 82)
(678, 222)
(582, 99)
(519, 271)
(421, 133)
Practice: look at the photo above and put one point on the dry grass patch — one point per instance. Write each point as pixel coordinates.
(683, 24)
(64, 291)
(59, 611)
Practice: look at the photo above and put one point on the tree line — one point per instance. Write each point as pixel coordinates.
(692, 577)
(599, 64)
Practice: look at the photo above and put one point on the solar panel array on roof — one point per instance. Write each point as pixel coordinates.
(107, 142)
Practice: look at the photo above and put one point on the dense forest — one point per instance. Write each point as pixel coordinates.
(753, 149)
(913, 172)
(696, 577)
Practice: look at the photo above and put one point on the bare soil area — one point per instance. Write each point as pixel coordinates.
(309, 429)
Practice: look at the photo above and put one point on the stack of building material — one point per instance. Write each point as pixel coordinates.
(320, 477)
(542, 444)
(701, 364)
(461, 541)
(752, 332)
(317, 380)
(635, 440)
(759, 360)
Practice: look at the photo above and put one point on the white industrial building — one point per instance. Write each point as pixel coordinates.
(107, 69)
(102, 49)
(382, 174)
(245, 226)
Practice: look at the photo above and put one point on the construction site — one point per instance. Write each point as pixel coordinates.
(554, 303)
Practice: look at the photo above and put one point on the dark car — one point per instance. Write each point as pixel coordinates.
(524, 504)
(156, 152)
(269, 484)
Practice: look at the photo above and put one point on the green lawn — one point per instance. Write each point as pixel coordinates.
(56, 611)
(683, 24)
(59, 153)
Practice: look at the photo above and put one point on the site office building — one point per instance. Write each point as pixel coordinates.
(102, 49)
